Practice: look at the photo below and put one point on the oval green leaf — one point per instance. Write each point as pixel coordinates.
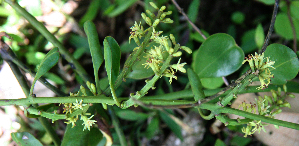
(283, 26)
(95, 50)
(286, 63)
(218, 56)
(212, 83)
(47, 63)
(259, 36)
(25, 139)
(112, 63)
(196, 85)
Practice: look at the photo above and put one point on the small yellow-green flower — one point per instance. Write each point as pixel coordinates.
(72, 120)
(179, 66)
(87, 122)
(78, 105)
(261, 68)
(137, 31)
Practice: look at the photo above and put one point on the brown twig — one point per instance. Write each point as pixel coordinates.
(184, 14)
(271, 27)
(292, 26)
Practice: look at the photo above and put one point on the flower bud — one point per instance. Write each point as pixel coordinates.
(93, 89)
(143, 16)
(279, 91)
(177, 54)
(168, 12)
(87, 84)
(268, 98)
(279, 102)
(188, 50)
(162, 8)
(170, 51)
(83, 90)
(172, 38)
(274, 95)
(168, 20)
(277, 112)
(291, 95)
(284, 88)
(148, 21)
(150, 13)
(154, 5)
(286, 104)
(162, 16)
(156, 22)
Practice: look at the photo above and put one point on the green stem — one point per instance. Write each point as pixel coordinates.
(50, 37)
(70, 99)
(208, 117)
(244, 83)
(116, 125)
(217, 110)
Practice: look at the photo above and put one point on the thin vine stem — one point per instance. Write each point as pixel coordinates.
(191, 23)
(50, 37)
(271, 27)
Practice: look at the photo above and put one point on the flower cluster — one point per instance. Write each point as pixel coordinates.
(252, 127)
(261, 68)
(73, 110)
(166, 44)
(267, 106)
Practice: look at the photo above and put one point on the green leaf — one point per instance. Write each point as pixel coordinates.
(196, 85)
(121, 7)
(218, 56)
(95, 50)
(112, 63)
(248, 41)
(25, 139)
(240, 141)
(47, 63)
(238, 17)
(267, 2)
(193, 11)
(219, 143)
(212, 83)
(174, 127)
(77, 137)
(286, 63)
(92, 11)
(283, 26)
(295, 9)
(197, 37)
(131, 115)
(152, 128)
(55, 78)
(139, 71)
(259, 36)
